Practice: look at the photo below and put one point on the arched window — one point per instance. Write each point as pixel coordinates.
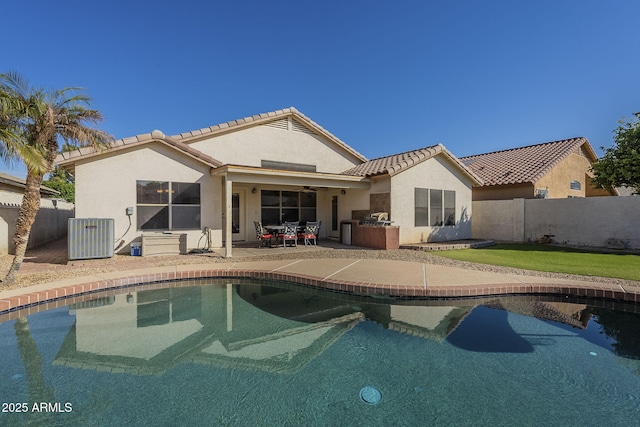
(575, 185)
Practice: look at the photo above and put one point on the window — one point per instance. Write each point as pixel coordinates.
(575, 185)
(281, 206)
(434, 207)
(165, 306)
(421, 207)
(307, 206)
(449, 207)
(167, 205)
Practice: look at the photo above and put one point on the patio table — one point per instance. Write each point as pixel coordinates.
(278, 229)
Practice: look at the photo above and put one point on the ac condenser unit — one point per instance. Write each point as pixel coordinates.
(90, 238)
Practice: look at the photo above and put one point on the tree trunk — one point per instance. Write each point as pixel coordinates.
(28, 211)
(32, 361)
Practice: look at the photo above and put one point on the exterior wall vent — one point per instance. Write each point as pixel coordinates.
(90, 238)
(280, 124)
(299, 127)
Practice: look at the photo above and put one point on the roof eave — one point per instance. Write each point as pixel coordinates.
(67, 160)
(255, 174)
(476, 180)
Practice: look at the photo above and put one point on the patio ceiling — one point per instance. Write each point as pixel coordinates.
(256, 175)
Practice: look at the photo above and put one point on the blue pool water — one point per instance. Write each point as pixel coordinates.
(251, 354)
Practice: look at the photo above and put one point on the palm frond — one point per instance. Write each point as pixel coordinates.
(40, 120)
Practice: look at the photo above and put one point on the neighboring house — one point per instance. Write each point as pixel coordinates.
(271, 167)
(12, 189)
(557, 169)
(50, 223)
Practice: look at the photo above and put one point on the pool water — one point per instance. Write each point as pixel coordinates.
(256, 354)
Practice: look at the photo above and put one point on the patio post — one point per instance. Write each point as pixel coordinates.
(228, 232)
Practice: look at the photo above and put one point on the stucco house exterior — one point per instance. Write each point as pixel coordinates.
(425, 191)
(270, 167)
(557, 169)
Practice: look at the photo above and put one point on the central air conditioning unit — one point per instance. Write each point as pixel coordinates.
(90, 238)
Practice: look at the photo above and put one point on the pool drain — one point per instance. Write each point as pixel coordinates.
(370, 395)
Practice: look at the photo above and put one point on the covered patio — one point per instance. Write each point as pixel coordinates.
(274, 196)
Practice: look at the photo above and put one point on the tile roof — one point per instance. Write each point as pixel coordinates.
(14, 181)
(396, 163)
(181, 141)
(524, 164)
(157, 136)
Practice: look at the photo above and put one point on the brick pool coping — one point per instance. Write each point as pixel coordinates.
(59, 294)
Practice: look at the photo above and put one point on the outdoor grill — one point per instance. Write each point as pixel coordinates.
(377, 218)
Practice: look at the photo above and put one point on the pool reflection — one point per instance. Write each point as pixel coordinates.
(151, 331)
(488, 330)
(216, 352)
(280, 329)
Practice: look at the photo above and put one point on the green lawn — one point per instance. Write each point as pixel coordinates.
(554, 259)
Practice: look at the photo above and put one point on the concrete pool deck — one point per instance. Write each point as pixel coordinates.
(359, 276)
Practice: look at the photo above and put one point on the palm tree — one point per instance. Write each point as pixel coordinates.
(33, 123)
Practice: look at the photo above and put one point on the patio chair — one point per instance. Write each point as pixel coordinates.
(290, 233)
(262, 234)
(310, 233)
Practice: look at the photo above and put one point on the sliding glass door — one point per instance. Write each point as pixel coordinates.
(284, 206)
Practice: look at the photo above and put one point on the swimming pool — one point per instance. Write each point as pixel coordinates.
(252, 353)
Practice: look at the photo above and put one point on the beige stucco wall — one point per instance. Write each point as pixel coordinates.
(608, 222)
(494, 219)
(437, 173)
(352, 200)
(248, 147)
(8, 218)
(106, 187)
(524, 191)
(557, 181)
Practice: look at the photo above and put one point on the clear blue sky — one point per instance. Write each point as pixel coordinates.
(383, 76)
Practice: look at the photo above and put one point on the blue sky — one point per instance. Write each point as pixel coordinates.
(383, 76)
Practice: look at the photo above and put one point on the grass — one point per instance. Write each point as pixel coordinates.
(554, 259)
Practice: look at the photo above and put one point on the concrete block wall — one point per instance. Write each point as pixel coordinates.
(50, 223)
(606, 222)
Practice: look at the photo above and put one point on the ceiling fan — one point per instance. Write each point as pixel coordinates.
(306, 189)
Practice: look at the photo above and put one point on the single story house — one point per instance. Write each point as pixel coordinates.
(557, 169)
(12, 189)
(272, 167)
